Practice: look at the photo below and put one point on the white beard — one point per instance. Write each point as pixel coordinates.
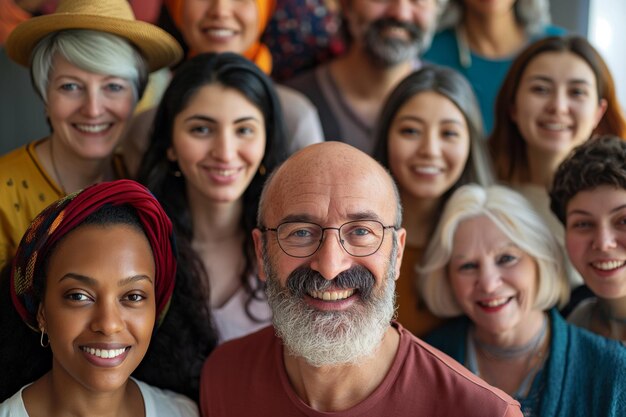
(331, 338)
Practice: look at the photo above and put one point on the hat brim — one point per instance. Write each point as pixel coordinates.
(158, 47)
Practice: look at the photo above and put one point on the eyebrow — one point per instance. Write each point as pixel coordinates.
(79, 79)
(365, 215)
(212, 120)
(584, 212)
(420, 120)
(550, 80)
(94, 282)
(362, 215)
(200, 117)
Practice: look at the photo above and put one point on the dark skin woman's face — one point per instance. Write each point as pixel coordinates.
(99, 306)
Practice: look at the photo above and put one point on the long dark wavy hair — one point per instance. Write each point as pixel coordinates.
(156, 170)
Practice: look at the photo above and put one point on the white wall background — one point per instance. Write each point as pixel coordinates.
(607, 32)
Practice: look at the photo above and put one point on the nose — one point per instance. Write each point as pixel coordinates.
(604, 239)
(218, 8)
(93, 105)
(400, 10)
(107, 318)
(331, 258)
(488, 278)
(429, 145)
(223, 147)
(559, 102)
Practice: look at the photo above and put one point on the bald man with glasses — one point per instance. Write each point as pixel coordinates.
(329, 244)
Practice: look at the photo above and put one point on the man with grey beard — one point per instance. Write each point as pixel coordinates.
(385, 40)
(329, 244)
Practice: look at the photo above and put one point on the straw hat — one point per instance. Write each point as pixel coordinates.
(112, 16)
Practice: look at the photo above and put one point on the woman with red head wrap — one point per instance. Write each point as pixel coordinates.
(93, 277)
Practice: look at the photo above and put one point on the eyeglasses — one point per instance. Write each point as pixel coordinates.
(302, 239)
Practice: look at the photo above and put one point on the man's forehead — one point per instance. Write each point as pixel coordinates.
(340, 199)
(328, 179)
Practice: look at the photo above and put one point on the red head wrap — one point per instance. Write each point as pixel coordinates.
(63, 216)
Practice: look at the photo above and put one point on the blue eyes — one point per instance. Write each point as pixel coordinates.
(500, 260)
(69, 87)
(110, 87)
(360, 232)
(302, 233)
(114, 87)
(467, 266)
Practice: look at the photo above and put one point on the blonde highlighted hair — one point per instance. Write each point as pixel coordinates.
(515, 217)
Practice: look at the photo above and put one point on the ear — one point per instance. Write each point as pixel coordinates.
(41, 318)
(401, 234)
(257, 236)
(171, 154)
(602, 106)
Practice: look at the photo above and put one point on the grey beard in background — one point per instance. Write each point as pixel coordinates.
(331, 338)
(389, 51)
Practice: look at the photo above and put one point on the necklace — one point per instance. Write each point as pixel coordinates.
(54, 168)
(515, 351)
(606, 315)
(615, 325)
(533, 349)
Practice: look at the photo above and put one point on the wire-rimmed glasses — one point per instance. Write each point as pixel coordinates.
(302, 239)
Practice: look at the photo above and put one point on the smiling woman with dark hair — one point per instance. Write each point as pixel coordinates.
(218, 133)
(91, 281)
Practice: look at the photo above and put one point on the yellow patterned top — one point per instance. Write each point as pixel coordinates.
(25, 190)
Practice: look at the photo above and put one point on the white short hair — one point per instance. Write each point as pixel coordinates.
(515, 217)
(89, 50)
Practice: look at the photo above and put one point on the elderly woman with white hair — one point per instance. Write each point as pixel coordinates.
(480, 40)
(493, 262)
(89, 62)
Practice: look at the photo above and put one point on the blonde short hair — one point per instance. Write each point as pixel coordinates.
(90, 50)
(515, 217)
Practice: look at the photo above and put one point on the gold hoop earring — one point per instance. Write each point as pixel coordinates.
(41, 339)
(262, 170)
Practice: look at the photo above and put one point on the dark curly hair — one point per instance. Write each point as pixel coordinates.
(597, 162)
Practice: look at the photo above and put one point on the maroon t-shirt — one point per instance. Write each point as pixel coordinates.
(247, 377)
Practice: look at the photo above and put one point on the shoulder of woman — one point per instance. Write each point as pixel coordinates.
(164, 403)
(14, 405)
